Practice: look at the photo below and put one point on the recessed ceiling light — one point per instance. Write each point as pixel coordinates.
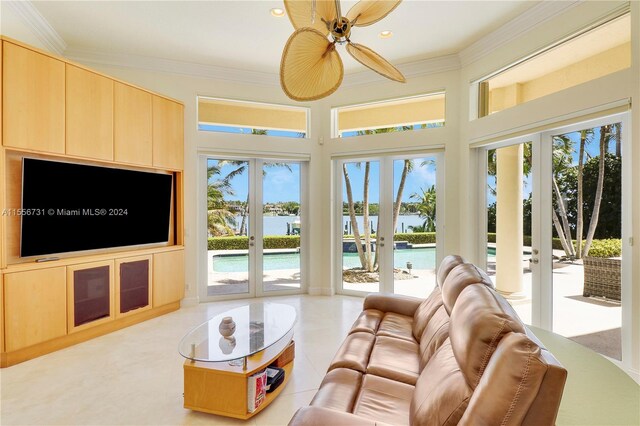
(385, 34)
(277, 12)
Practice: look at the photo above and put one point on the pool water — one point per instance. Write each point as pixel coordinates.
(421, 258)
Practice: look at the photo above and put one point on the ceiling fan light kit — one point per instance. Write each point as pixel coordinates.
(311, 67)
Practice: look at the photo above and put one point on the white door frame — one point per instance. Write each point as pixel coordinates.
(255, 225)
(626, 284)
(542, 273)
(386, 185)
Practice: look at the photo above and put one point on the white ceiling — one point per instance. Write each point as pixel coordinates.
(243, 35)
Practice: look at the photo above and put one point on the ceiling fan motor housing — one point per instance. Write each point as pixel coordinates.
(340, 29)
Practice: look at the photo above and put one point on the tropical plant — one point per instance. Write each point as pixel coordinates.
(427, 208)
(220, 220)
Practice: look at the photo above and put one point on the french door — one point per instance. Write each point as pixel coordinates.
(255, 227)
(387, 220)
(556, 220)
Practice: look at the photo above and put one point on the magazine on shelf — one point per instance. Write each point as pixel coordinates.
(256, 390)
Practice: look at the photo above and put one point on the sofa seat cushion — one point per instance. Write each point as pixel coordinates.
(338, 390)
(354, 352)
(395, 359)
(368, 321)
(384, 400)
(435, 334)
(398, 326)
(442, 393)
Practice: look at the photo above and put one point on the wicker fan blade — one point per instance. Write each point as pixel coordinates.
(310, 68)
(367, 12)
(300, 13)
(371, 59)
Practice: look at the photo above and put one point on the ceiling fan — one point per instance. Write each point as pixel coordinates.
(311, 67)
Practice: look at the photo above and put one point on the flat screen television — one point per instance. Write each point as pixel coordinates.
(73, 207)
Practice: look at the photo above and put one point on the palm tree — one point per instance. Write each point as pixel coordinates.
(562, 158)
(352, 216)
(606, 135)
(585, 137)
(220, 220)
(426, 208)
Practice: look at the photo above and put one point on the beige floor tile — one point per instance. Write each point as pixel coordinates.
(134, 376)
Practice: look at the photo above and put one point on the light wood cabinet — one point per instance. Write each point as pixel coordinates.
(33, 100)
(132, 125)
(89, 114)
(168, 277)
(35, 307)
(133, 285)
(90, 295)
(168, 134)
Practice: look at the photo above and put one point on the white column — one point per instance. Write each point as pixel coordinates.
(509, 239)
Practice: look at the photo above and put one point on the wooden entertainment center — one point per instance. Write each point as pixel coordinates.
(57, 110)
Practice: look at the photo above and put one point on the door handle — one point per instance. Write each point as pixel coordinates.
(534, 260)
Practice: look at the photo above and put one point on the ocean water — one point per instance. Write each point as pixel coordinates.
(277, 225)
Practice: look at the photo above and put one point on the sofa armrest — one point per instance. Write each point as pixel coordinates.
(387, 302)
(319, 416)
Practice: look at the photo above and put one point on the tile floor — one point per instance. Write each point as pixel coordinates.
(134, 376)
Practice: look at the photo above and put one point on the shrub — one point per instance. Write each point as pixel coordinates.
(242, 243)
(410, 237)
(606, 248)
(417, 237)
(228, 243)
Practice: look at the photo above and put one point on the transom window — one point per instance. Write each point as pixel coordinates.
(413, 113)
(583, 57)
(232, 116)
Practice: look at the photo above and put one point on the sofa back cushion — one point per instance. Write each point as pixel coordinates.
(510, 385)
(447, 264)
(458, 279)
(435, 334)
(478, 322)
(425, 312)
(441, 394)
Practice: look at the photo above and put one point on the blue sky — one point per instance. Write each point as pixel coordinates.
(420, 177)
(279, 183)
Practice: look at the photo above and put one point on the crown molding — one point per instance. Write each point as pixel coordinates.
(409, 69)
(121, 60)
(38, 24)
(530, 19)
(523, 23)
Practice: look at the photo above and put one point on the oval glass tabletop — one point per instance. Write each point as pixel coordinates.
(257, 326)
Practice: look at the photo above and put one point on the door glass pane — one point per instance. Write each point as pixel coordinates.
(281, 226)
(414, 224)
(509, 196)
(360, 207)
(587, 245)
(227, 227)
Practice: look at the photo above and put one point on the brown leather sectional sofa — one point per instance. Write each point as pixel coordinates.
(462, 356)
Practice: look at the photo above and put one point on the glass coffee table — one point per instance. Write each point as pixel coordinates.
(221, 358)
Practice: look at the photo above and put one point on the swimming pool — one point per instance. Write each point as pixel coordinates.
(421, 258)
